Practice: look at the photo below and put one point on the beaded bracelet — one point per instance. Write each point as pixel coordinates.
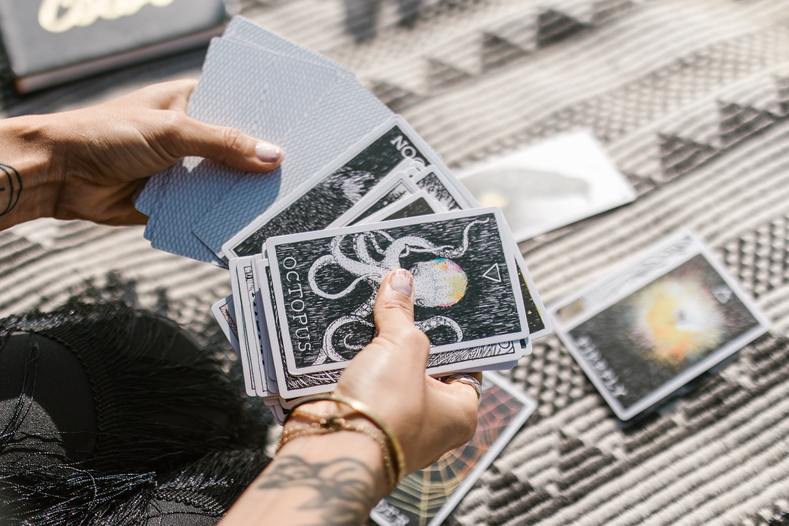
(325, 424)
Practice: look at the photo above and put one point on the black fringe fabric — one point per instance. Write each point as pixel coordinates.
(174, 438)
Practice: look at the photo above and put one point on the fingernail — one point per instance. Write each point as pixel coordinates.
(268, 153)
(403, 281)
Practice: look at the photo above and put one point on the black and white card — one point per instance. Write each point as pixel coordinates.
(649, 329)
(391, 189)
(331, 193)
(466, 286)
(415, 205)
(292, 386)
(445, 189)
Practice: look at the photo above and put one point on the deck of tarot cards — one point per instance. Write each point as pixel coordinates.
(359, 194)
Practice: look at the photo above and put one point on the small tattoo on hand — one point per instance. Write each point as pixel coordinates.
(10, 188)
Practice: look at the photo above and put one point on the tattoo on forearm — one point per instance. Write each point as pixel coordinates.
(344, 487)
(10, 188)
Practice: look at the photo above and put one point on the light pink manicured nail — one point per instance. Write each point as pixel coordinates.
(403, 281)
(268, 153)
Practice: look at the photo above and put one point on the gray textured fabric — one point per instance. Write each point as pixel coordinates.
(691, 99)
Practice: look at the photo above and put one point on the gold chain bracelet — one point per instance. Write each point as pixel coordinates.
(392, 451)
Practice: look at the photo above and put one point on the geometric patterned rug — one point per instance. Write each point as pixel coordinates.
(690, 99)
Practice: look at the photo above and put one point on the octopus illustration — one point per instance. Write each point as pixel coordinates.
(438, 282)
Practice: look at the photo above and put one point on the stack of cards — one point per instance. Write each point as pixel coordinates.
(360, 194)
(302, 308)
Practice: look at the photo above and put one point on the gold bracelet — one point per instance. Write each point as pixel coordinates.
(330, 423)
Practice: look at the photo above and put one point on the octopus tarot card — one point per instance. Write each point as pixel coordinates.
(428, 497)
(465, 280)
(650, 329)
(291, 385)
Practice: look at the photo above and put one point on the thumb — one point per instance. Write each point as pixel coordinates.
(394, 322)
(394, 306)
(228, 146)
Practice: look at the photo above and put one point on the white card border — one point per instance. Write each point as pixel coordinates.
(231, 336)
(251, 330)
(251, 381)
(267, 365)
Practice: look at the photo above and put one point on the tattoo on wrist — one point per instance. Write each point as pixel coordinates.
(10, 188)
(344, 487)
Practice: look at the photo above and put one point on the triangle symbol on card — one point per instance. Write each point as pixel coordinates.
(493, 274)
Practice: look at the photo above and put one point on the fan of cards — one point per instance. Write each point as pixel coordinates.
(359, 194)
(303, 308)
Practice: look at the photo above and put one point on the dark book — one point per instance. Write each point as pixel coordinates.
(49, 42)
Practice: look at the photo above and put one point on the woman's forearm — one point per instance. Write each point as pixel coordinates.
(27, 180)
(333, 479)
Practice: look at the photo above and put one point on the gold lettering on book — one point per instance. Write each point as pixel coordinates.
(58, 16)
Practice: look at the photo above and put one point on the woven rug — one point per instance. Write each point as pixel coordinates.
(691, 100)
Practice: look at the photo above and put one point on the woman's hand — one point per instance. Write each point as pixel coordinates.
(428, 416)
(91, 163)
(337, 478)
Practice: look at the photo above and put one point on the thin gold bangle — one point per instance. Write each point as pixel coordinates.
(364, 411)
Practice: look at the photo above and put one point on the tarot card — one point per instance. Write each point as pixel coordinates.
(291, 386)
(325, 284)
(332, 192)
(415, 205)
(241, 281)
(648, 330)
(541, 187)
(428, 497)
(445, 189)
(391, 189)
(225, 316)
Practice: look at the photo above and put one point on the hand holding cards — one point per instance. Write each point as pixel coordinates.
(302, 299)
(359, 195)
(307, 307)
